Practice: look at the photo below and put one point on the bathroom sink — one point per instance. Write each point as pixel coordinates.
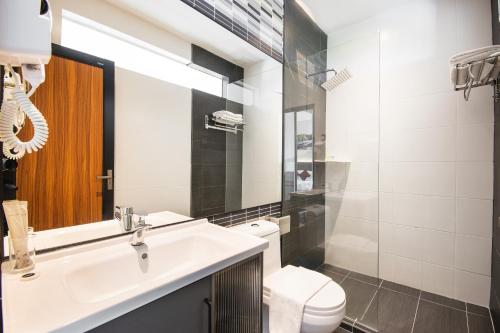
(91, 284)
(112, 273)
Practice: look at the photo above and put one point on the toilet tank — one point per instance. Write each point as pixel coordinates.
(271, 232)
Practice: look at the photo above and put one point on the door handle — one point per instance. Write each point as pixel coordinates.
(108, 178)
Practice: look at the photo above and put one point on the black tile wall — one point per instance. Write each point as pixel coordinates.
(259, 22)
(495, 258)
(305, 43)
(216, 156)
(208, 60)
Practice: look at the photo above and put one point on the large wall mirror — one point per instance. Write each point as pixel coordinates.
(137, 100)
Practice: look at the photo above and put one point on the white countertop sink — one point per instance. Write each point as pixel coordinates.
(83, 287)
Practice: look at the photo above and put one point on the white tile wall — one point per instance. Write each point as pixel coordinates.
(435, 173)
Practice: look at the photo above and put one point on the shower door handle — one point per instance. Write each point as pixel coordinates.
(108, 178)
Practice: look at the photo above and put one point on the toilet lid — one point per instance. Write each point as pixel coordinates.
(329, 298)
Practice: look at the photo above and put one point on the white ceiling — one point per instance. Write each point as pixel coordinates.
(332, 15)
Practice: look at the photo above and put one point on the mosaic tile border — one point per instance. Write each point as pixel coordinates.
(258, 22)
(245, 215)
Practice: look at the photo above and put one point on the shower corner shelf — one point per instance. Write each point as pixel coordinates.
(475, 70)
(220, 127)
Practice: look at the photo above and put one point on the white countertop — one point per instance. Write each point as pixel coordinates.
(52, 303)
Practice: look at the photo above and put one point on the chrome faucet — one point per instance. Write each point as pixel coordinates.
(124, 215)
(140, 228)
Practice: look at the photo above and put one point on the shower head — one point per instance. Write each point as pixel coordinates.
(337, 80)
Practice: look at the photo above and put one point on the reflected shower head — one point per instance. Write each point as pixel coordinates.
(335, 81)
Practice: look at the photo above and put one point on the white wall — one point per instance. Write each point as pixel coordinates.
(152, 144)
(152, 118)
(262, 136)
(436, 150)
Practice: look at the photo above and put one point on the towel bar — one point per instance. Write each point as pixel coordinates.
(225, 128)
(472, 75)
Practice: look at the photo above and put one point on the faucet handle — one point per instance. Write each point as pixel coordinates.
(140, 220)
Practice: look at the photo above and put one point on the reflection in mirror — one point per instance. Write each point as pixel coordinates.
(142, 117)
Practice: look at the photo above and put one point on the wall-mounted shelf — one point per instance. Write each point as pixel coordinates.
(221, 127)
(477, 74)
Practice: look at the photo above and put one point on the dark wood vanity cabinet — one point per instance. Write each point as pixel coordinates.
(229, 301)
(183, 311)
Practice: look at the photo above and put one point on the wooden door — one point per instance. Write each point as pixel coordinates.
(60, 181)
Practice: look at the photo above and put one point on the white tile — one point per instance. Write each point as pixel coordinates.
(356, 232)
(476, 30)
(425, 144)
(478, 109)
(363, 205)
(475, 142)
(437, 247)
(425, 111)
(472, 288)
(429, 212)
(386, 206)
(400, 240)
(401, 270)
(363, 177)
(387, 176)
(341, 254)
(437, 279)
(432, 178)
(474, 217)
(475, 180)
(473, 254)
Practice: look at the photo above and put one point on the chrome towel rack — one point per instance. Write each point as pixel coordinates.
(220, 127)
(477, 74)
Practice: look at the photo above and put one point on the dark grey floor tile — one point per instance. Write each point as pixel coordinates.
(479, 310)
(391, 312)
(479, 324)
(365, 278)
(443, 300)
(360, 328)
(400, 288)
(341, 330)
(337, 277)
(334, 269)
(435, 318)
(358, 296)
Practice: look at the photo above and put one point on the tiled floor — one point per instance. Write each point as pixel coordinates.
(375, 305)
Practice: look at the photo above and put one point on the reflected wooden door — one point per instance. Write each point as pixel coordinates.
(60, 181)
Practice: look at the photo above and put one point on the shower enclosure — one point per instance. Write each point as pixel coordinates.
(331, 172)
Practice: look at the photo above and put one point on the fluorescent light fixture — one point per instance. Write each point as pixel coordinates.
(133, 54)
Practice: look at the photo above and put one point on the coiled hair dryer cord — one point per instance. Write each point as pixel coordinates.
(13, 147)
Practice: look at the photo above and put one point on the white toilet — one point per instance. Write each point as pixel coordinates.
(324, 312)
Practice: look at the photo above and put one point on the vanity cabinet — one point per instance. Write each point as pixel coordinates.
(234, 305)
(183, 311)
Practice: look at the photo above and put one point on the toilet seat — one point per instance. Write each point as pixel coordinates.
(327, 302)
